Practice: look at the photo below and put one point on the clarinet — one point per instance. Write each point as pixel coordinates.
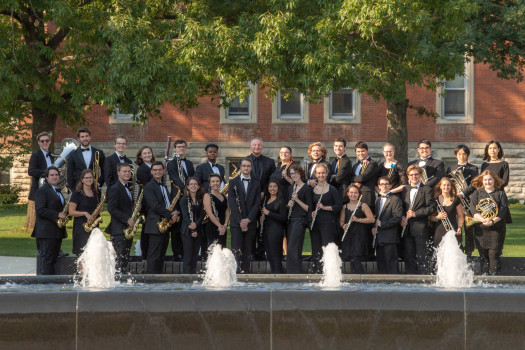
(262, 218)
(214, 209)
(190, 211)
(237, 200)
(293, 200)
(350, 220)
(409, 208)
(375, 226)
(317, 208)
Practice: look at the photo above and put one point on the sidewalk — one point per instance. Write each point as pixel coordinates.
(12, 265)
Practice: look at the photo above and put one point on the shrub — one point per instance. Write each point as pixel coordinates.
(9, 194)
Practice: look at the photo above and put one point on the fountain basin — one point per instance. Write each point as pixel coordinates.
(183, 314)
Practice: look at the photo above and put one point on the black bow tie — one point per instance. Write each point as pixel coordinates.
(414, 187)
(181, 158)
(48, 154)
(246, 180)
(159, 183)
(85, 149)
(122, 157)
(384, 196)
(214, 166)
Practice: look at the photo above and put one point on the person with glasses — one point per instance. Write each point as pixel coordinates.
(418, 205)
(40, 160)
(299, 213)
(317, 153)
(244, 200)
(392, 169)
(433, 169)
(82, 204)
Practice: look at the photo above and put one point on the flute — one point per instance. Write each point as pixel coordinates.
(350, 220)
(317, 208)
(293, 200)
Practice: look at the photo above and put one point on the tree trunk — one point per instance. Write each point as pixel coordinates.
(396, 116)
(42, 121)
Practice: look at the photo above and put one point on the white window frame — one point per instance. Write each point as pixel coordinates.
(121, 118)
(277, 118)
(251, 118)
(355, 118)
(468, 118)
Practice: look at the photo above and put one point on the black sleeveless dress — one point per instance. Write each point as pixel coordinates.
(356, 240)
(212, 231)
(451, 211)
(84, 203)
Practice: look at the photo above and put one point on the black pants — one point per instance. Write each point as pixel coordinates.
(489, 261)
(294, 245)
(144, 243)
(387, 258)
(242, 246)
(273, 241)
(158, 244)
(48, 249)
(204, 241)
(122, 248)
(191, 252)
(416, 250)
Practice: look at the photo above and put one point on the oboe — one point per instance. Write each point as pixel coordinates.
(261, 228)
(190, 211)
(317, 208)
(293, 200)
(350, 220)
(409, 208)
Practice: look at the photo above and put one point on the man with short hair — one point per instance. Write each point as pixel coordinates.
(204, 170)
(341, 167)
(262, 166)
(433, 169)
(84, 158)
(120, 207)
(111, 162)
(49, 205)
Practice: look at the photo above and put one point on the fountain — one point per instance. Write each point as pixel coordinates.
(452, 267)
(221, 268)
(96, 264)
(332, 274)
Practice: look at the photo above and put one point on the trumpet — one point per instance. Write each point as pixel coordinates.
(424, 177)
(96, 218)
(488, 209)
(446, 221)
(166, 223)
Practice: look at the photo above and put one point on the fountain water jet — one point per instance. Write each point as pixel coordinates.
(332, 273)
(221, 268)
(96, 264)
(452, 267)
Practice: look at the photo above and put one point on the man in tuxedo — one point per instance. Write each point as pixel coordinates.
(83, 158)
(317, 153)
(120, 207)
(204, 170)
(111, 162)
(433, 168)
(244, 200)
(49, 204)
(389, 209)
(178, 177)
(418, 203)
(158, 201)
(38, 163)
(342, 167)
(469, 171)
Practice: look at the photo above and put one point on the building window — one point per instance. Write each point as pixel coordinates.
(455, 99)
(293, 110)
(121, 117)
(241, 112)
(342, 107)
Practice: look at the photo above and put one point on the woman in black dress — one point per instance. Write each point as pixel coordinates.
(82, 204)
(192, 212)
(273, 223)
(144, 160)
(299, 209)
(395, 171)
(217, 209)
(355, 244)
(490, 240)
(446, 197)
(327, 205)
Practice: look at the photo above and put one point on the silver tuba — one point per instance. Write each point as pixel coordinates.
(68, 145)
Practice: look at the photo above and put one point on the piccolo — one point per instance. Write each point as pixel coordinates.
(350, 220)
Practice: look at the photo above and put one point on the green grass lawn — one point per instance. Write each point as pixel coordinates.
(14, 241)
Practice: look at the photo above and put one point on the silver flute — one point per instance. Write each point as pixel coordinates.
(350, 220)
(317, 208)
(293, 200)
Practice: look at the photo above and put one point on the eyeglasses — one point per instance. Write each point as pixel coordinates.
(293, 173)
(44, 141)
(385, 184)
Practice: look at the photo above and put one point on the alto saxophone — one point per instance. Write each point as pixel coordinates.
(96, 218)
(166, 223)
(130, 231)
(63, 222)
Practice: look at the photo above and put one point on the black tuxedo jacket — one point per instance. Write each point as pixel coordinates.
(47, 206)
(424, 205)
(110, 169)
(267, 166)
(75, 165)
(173, 173)
(120, 207)
(343, 177)
(36, 169)
(311, 176)
(470, 171)
(203, 172)
(250, 202)
(390, 218)
(144, 175)
(368, 180)
(433, 167)
(156, 206)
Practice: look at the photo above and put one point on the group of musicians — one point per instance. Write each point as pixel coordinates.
(384, 211)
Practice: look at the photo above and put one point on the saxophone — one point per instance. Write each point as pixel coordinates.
(96, 218)
(63, 222)
(130, 231)
(166, 223)
(236, 172)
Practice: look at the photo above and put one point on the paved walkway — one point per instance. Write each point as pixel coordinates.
(13, 265)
